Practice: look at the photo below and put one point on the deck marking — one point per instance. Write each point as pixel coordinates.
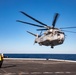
(59, 72)
(36, 73)
(23, 73)
(9, 74)
(48, 72)
(4, 70)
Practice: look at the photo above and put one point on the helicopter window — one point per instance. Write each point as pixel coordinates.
(58, 34)
(48, 33)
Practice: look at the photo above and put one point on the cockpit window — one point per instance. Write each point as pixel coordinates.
(48, 33)
(58, 34)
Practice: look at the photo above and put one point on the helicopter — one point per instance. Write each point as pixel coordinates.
(52, 36)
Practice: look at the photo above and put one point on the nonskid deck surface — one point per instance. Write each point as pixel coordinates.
(37, 67)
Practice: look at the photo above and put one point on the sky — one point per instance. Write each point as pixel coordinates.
(13, 35)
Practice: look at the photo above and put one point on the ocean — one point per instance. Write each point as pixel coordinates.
(43, 56)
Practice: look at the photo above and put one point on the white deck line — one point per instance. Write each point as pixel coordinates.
(62, 60)
(38, 59)
(23, 59)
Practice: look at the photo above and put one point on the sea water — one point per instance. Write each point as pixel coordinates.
(43, 56)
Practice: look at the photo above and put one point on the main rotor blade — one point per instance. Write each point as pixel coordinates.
(55, 19)
(32, 18)
(69, 31)
(31, 33)
(29, 23)
(68, 27)
(41, 29)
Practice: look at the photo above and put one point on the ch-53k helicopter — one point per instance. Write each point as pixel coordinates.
(52, 36)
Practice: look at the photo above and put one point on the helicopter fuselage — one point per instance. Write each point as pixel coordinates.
(51, 38)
